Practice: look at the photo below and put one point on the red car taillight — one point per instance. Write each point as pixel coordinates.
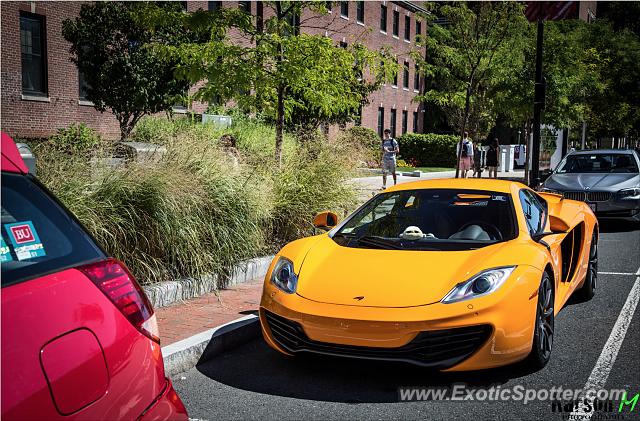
(115, 281)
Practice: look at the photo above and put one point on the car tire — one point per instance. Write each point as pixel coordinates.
(588, 289)
(544, 326)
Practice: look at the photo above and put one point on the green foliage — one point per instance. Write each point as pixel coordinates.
(428, 150)
(194, 212)
(77, 138)
(364, 140)
(289, 76)
(309, 182)
(108, 44)
(466, 55)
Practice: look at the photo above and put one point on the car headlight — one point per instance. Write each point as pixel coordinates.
(629, 194)
(283, 276)
(481, 284)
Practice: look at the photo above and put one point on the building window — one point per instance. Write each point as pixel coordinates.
(360, 11)
(396, 22)
(344, 9)
(383, 18)
(82, 86)
(416, 79)
(405, 117)
(393, 123)
(418, 27)
(380, 121)
(415, 122)
(405, 74)
(214, 6)
(245, 6)
(34, 54)
(293, 20)
(184, 5)
(407, 28)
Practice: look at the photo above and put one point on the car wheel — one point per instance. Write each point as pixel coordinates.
(544, 326)
(588, 289)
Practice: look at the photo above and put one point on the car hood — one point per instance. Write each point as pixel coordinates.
(336, 274)
(597, 182)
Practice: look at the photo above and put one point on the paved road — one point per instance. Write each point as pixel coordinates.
(254, 382)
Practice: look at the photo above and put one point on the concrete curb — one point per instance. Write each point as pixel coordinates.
(185, 354)
(169, 292)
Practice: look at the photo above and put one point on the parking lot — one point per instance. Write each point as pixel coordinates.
(596, 344)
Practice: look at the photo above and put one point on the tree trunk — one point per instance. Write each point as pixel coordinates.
(279, 123)
(464, 127)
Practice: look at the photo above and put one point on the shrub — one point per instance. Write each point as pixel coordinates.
(193, 213)
(364, 142)
(77, 138)
(428, 150)
(312, 180)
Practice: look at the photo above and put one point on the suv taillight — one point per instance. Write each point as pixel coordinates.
(114, 280)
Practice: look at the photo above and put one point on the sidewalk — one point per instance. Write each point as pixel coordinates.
(185, 319)
(367, 186)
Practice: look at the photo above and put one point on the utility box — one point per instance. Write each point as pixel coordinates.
(219, 120)
(27, 156)
(507, 156)
(140, 151)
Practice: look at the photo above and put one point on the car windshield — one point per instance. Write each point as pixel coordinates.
(599, 163)
(431, 219)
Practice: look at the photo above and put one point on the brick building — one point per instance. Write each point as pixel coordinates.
(42, 90)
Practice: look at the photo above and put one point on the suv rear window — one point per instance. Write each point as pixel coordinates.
(38, 235)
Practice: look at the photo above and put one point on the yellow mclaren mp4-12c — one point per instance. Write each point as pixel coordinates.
(456, 274)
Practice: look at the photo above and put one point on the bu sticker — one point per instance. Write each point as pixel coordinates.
(25, 240)
(5, 252)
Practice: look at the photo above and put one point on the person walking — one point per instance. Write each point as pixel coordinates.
(477, 161)
(466, 156)
(390, 149)
(492, 158)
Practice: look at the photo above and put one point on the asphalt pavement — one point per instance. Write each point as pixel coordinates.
(596, 342)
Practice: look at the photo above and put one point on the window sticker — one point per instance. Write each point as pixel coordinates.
(5, 252)
(25, 240)
(499, 198)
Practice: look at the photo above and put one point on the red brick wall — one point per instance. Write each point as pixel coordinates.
(28, 119)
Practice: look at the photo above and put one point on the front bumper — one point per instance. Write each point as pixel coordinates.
(168, 406)
(607, 205)
(481, 333)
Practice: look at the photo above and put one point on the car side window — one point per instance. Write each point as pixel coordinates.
(534, 211)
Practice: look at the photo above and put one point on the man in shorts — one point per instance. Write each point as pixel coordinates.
(389, 151)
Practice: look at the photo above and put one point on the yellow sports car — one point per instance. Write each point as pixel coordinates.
(456, 274)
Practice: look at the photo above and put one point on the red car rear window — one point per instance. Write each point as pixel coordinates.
(38, 236)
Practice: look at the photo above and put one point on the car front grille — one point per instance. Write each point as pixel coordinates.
(587, 196)
(436, 349)
(598, 196)
(574, 195)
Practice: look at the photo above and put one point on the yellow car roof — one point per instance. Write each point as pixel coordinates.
(502, 186)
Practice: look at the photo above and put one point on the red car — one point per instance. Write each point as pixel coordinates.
(79, 336)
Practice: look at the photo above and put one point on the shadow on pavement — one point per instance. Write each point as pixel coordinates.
(614, 225)
(256, 367)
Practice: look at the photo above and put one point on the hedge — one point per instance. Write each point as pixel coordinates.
(428, 149)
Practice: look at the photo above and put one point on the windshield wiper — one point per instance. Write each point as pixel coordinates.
(378, 242)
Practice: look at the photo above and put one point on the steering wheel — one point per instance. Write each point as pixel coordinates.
(491, 229)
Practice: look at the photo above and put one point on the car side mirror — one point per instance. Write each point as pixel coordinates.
(325, 220)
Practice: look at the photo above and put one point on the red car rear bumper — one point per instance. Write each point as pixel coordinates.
(168, 406)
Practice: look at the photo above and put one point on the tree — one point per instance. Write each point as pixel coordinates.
(273, 67)
(465, 51)
(123, 75)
